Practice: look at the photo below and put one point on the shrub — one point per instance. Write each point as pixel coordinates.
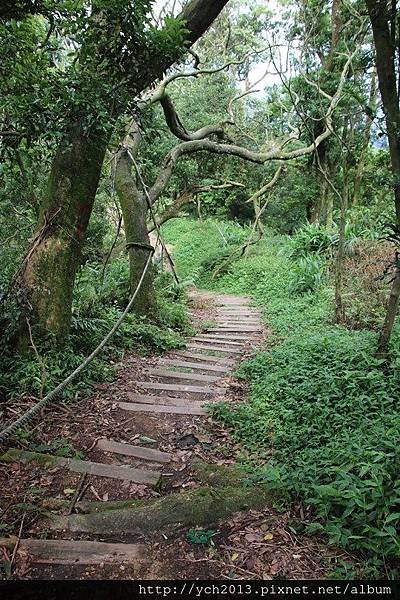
(308, 274)
(312, 238)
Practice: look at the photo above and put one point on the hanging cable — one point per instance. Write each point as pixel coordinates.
(30, 414)
(153, 217)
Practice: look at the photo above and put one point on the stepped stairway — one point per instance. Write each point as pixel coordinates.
(180, 384)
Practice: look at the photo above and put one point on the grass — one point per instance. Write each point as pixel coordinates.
(322, 420)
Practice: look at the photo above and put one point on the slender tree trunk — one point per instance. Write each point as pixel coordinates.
(392, 310)
(134, 210)
(340, 313)
(365, 143)
(384, 24)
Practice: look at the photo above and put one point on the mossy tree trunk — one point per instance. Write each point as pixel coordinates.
(134, 211)
(48, 275)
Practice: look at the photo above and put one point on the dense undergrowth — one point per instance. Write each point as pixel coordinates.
(322, 421)
(97, 306)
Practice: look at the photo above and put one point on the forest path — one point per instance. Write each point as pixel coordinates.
(164, 403)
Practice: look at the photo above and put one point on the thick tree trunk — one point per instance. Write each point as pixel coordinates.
(47, 279)
(134, 211)
(383, 25)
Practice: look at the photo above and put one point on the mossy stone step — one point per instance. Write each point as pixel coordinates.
(213, 348)
(221, 360)
(195, 366)
(141, 452)
(218, 340)
(81, 552)
(175, 387)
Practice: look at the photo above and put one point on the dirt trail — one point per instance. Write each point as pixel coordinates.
(140, 439)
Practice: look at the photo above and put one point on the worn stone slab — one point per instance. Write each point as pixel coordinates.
(85, 466)
(179, 375)
(204, 357)
(136, 451)
(200, 366)
(229, 300)
(114, 471)
(217, 340)
(213, 348)
(228, 320)
(238, 311)
(235, 328)
(81, 552)
(239, 339)
(151, 399)
(175, 387)
(190, 409)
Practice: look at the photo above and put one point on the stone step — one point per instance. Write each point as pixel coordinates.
(175, 387)
(217, 340)
(85, 466)
(204, 357)
(200, 366)
(179, 375)
(191, 408)
(213, 348)
(235, 300)
(235, 328)
(239, 321)
(136, 451)
(81, 552)
(238, 311)
(239, 339)
(150, 399)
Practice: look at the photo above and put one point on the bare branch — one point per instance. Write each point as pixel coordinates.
(275, 153)
(266, 187)
(188, 196)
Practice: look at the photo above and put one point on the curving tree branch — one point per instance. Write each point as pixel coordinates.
(276, 152)
(178, 129)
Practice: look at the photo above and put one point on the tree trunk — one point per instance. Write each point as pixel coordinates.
(385, 48)
(365, 143)
(48, 275)
(340, 313)
(134, 211)
(392, 310)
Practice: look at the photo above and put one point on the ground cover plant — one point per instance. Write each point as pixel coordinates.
(322, 419)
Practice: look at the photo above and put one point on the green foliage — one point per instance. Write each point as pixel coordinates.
(312, 238)
(308, 274)
(58, 447)
(196, 259)
(97, 305)
(322, 421)
(200, 536)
